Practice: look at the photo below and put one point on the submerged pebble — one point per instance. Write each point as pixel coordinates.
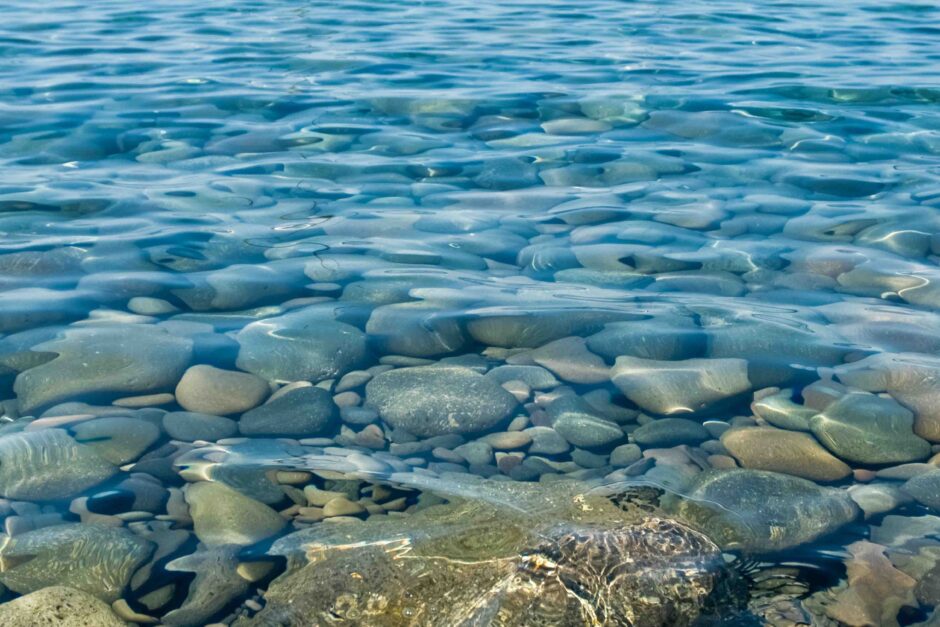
(761, 511)
(98, 362)
(666, 387)
(303, 344)
(788, 452)
(868, 429)
(305, 411)
(223, 516)
(430, 401)
(209, 390)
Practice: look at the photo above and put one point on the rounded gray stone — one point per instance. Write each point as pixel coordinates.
(625, 454)
(670, 432)
(780, 411)
(416, 329)
(535, 377)
(435, 400)
(676, 387)
(925, 489)
(191, 426)
(306, 411)
(547, 441)
(476, 453)
(586, 431)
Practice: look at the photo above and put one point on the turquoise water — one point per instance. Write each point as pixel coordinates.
(271, 267)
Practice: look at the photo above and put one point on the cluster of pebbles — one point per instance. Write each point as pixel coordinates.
(149, 460)
(251, 322)
(166, 424)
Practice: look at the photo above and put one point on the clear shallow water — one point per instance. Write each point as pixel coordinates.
(599, 192)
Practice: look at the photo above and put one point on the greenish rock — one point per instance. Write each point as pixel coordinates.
(625, 454)
(869, 429)
(925, 489)
(587, 459)
(428, 401)
(513, 552)
(585, 430)
(58, 606)
(676, 387)
(117, 440)
(305, 411)
(245, 475)
(222, 515)
(47, 465)
(303, 345)
(780, 411)
(670, 432)
(92, 558)
(190, 426)
(476, 453)
(104, 362)
(571, 361)
(546, 441)
(760, 511)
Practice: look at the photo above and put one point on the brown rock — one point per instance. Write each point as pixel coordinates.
(876, 592)
(791, 452)
(508, 440)
(209, 390)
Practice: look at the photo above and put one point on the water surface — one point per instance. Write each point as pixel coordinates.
(271, 267)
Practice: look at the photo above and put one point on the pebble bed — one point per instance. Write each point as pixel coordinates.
(272, 271)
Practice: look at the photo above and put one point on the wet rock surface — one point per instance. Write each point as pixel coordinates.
(869, 429)
(477, 552)
(58, 606)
